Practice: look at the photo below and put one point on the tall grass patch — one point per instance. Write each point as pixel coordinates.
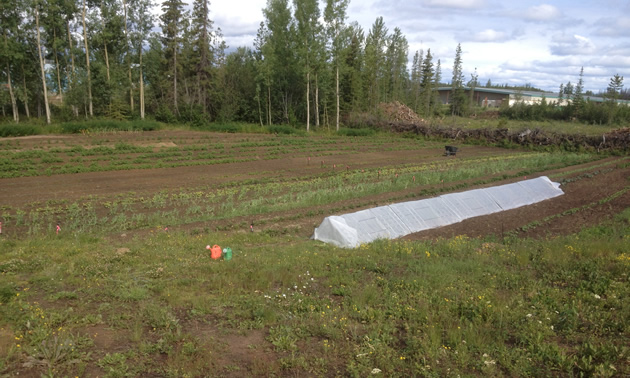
(107, 126)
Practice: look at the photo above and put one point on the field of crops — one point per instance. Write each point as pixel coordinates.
(104, 270)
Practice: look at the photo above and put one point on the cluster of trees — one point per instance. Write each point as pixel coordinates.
(76, 59)
(578, 105)
(103, 58)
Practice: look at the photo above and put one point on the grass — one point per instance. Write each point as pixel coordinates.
(448, 307)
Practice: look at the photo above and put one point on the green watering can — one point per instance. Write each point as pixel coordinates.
(227, 253)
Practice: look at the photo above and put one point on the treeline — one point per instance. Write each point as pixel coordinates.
(101, 58)
(78, 59)
(579, 107)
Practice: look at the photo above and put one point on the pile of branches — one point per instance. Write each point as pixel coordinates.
(397, 117)
(617, 140)
(397, 112)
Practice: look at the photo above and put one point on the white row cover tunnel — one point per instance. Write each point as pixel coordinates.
(396, 220)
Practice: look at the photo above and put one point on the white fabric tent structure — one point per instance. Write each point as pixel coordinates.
(400, 219)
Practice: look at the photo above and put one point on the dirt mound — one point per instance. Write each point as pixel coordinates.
(397, 112)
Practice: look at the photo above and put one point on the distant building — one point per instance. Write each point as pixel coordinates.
(495, 97)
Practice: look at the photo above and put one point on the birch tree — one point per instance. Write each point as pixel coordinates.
(87, 59)
(307, 15)
(335, 17)
(142, 22)
(36, 10)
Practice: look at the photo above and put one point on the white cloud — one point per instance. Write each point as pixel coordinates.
(543, 13)
(575, 45)
(488, 35)
(458, 4)
(614, 27)
(611, 61)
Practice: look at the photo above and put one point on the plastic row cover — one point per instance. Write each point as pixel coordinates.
(393, 221)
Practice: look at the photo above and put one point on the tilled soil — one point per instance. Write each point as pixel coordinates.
(586, 188)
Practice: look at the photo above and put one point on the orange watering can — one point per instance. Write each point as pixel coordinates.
(215, 252)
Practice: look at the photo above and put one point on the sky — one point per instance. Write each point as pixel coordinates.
(514, 42)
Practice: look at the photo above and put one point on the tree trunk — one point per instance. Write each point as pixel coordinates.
(106, 61)
(128, 58)
(41, 66)
(59, 92)
(316, 102)
(72, 75)
(141, 87)
(16, 116)
(285, 107)
(259, 107)
(308, 103)
(70, 44)
(269, 105)
(337, 93)
(87, 59)
(28, 113)
(175, 80)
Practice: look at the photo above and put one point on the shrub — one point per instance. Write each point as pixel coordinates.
(164, 114)
(193, 116)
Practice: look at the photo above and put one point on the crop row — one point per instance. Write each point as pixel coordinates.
(268, 197)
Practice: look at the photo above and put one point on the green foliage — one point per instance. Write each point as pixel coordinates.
(165, 114)
(107, 125)
(17, 130)
(590, 112)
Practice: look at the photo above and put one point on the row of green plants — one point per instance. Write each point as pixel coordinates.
(266, 197)
(459, 306)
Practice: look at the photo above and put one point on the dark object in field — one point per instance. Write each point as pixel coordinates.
(450, 150)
